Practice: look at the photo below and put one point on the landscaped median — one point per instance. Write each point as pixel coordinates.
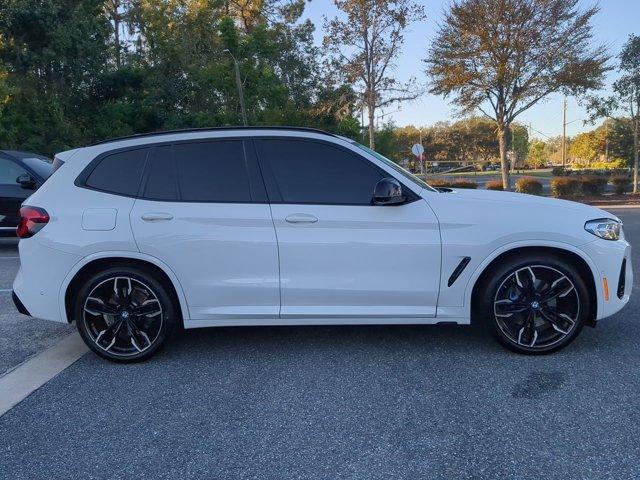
(587, 187)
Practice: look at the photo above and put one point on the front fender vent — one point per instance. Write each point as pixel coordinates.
(458, 270)
(622, 281)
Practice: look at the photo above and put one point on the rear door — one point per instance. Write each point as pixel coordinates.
(204, 213)
(12, 194)
(341, 256)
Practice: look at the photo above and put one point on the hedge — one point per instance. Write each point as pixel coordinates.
(461, 183)
(622, 183)
(593, 185)
(529, 185)
(494, 185)
(565, 187)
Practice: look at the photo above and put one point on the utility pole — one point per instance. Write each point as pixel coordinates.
(564, 133)
(239, 85)
(606, 139)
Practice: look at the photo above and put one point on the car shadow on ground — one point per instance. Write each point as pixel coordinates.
(370, 337)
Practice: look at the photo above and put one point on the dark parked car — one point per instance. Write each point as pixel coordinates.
(21, 173)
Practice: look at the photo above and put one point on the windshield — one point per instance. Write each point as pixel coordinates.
(395, 166)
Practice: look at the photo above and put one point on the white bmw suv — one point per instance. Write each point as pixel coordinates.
(291, 226)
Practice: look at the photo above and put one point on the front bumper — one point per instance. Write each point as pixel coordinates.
(609, 258)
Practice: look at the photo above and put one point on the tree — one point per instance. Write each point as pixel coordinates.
(501, 57)
(625, 98)
(586, 147)
(365, 46)
(536, 157)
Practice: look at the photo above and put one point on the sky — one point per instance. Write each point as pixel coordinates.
(614, 23)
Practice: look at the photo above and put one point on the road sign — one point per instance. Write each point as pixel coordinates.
(417, 149)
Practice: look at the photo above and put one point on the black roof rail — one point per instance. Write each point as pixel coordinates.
(213, 129)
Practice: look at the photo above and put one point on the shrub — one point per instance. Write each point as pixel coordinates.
(557, 171)
(464, 184)
(494, 185)
(529, 185)
(458, 183)
(621, 182)
(565, 187)
(593, 185)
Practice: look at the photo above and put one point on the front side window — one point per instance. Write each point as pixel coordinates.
(318, 172)
(9, 172)
(119, 173)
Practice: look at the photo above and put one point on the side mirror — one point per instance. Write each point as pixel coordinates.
(26, 181)
(388, 191)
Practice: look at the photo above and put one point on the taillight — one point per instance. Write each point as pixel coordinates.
(32, 219)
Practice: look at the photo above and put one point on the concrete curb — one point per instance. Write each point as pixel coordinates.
(20, 382)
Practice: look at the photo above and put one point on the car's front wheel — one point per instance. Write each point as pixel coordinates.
(124, 314)
(536, 304)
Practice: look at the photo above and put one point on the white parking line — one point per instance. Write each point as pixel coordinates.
(2, 290)
(19, 383)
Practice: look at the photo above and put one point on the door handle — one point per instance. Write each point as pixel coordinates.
(156, 217)
(301, 218)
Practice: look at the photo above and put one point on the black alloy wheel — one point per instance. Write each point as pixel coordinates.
(537, 305)
(124, 315)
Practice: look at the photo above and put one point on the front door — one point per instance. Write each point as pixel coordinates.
(204, 214)
(341, 256)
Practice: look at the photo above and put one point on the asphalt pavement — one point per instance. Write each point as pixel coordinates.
(342, 402)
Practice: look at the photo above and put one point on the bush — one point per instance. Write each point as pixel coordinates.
(565, 187)
(622, 183)
(529, 185)
(458, 183)
(494, 185)
(557, 171)
(593, 185)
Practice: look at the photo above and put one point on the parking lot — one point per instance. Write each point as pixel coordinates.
(330, 402)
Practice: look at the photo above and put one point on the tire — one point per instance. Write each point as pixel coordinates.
(535, 304)
(135, 300)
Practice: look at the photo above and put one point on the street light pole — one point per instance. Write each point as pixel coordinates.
(239, 85)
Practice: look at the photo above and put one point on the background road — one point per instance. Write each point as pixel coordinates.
(342, 402)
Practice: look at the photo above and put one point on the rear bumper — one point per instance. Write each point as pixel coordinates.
(37, 284)
(19, 306)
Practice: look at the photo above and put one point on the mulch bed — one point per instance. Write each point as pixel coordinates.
(613, 199)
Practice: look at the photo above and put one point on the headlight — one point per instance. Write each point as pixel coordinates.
(605, 228)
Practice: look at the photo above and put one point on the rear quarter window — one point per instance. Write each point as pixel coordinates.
(119, 173)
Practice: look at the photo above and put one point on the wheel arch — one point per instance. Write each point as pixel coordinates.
(570, 254)
(94, 263)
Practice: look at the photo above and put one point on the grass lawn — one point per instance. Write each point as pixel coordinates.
(542, 172)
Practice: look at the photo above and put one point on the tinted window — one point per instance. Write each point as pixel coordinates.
(212, 171)
(162, 183)
(316, 172)
(41, 165)
(9, 171)
(119, 173)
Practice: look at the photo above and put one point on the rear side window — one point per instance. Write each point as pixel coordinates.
(162, 182)
(212, 172)
(119, 173)
(317, 172)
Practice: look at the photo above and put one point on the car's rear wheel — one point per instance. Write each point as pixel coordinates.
(536, 304)
(124, 314)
